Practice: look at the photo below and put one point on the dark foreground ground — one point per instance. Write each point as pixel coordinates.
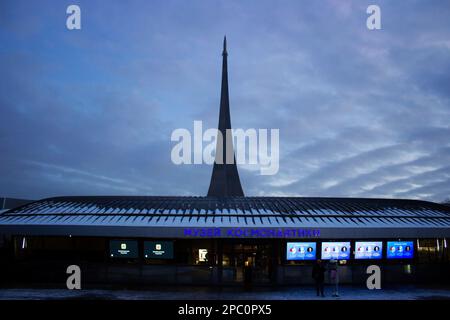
(206, 293)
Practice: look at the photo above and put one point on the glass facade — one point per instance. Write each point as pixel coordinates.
(213, 261)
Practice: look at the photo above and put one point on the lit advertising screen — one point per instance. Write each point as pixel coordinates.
(158, 249)
(123, 249)
(400, 250)
(369, 250)
(336, 250)
(301, 251)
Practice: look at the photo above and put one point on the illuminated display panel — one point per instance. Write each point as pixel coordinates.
(369, 250)
(301, 251)
(123, 249)
(336, 250)
(158, 249)
(400, 250)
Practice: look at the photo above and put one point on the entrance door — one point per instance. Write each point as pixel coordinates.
(247, 261)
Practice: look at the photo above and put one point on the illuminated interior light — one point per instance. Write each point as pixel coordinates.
(408, 269)
(202, 255)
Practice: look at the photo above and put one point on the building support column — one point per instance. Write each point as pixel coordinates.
(219, 251)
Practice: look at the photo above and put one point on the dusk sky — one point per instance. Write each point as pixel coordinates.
(361, 113)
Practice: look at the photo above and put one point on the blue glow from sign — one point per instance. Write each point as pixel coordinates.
(251, 232)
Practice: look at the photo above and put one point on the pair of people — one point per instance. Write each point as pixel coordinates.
(318, 274)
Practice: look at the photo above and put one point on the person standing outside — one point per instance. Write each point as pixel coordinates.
(318, 274)
(334, 276)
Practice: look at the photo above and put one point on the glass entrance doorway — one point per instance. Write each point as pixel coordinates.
(246, 261)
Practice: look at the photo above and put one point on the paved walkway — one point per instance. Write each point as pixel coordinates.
(202, 293)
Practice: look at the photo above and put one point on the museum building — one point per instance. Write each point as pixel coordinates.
(216, 239)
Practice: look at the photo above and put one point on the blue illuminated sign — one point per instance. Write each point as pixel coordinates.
(400, 250)
(251, 232)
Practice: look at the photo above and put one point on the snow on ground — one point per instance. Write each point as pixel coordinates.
(203, 293)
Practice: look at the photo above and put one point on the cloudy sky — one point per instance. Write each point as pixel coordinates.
(90, 112)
